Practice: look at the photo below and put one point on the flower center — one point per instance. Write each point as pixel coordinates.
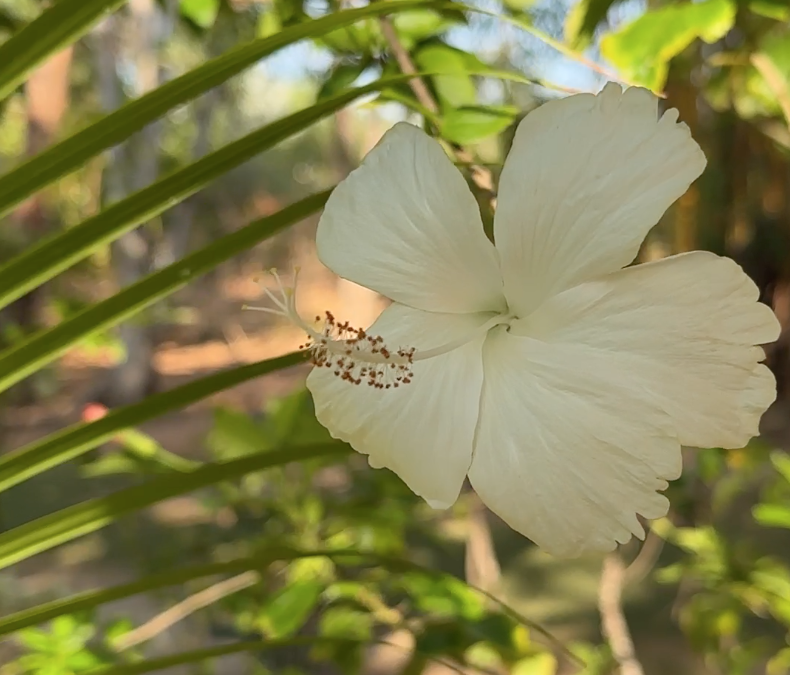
(354, 355)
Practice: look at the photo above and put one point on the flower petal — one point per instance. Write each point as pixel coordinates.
(422, 431)
(684, 329)
(566, 452)
(405, 224)
(586, 178)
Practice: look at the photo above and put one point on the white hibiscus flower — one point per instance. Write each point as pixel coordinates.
(560, 383)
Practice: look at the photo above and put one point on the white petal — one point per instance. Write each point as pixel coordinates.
(566, 452)
(422, 431)
(683, 329)
(586, 178)
(405, 224)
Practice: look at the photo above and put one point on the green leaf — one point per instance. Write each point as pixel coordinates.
(341, 77)
(773, 9)
(269, 23)
(57, 253)
(779, 663)
(452, 90)
(57, 27)
(772, 515)
(470, 125)
(45, 533)
(202, 13)
(643, 49)
(235, 434)
(18, 362)
(544, 663)
(781, 463)
(33, 459)
(89, 600)
(418, 25)
(291, 419)
(518, 5)
(346, 622)
(74, 151)
(289, 608)
(582, 20)
(361, 38)
(203, 655)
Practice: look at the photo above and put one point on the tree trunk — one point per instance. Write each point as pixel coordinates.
(131, 167)
(47, 99)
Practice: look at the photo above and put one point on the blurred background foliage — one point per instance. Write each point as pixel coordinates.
(168, 502)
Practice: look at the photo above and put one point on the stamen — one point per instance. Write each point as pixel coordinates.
(352, 354)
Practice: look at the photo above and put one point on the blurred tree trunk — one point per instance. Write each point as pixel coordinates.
(47, 99)
(180, 220)
(131, 167)
(682, 94)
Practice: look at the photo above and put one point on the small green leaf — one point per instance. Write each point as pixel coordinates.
(779, 663)
(269, 23)
(781, 463)
(202, 13)
(470, 125)
(341, 77)
(363, 38)
(453, 90)
(418, 25)
(91, 599)
(235, 434)
(772, 515)
(583, 19)
(205, 655)
(773, 9)
(642, 49)
(289, 608)
(544, 663)
(346, 622)
(518, 5)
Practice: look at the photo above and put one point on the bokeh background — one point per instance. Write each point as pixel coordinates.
(708, 592)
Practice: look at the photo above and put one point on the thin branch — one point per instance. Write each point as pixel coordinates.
(613, 623)
(481, 567)
(481, 175)
(646, 558)
(405, 64)
(775, 81)
(178, 612)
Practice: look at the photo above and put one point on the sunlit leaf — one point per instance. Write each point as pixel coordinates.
(773, 9)
(202, 13)
(289, 608)
(772, 515)
(583, 19)
(470, 125)
(642, 49)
